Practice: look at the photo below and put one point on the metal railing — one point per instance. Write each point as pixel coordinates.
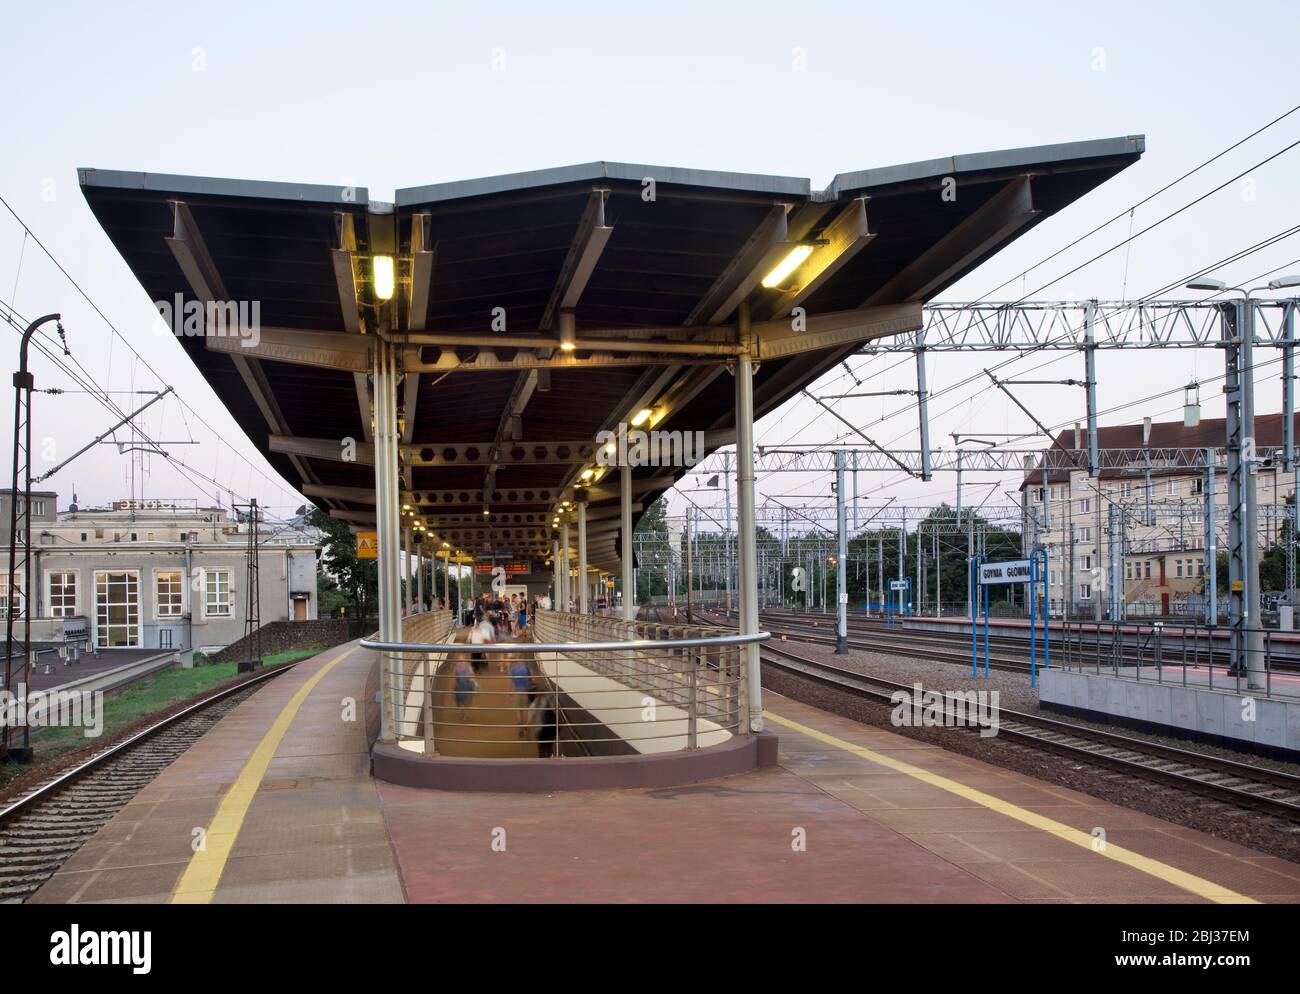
(591, 685)
(1185, 653)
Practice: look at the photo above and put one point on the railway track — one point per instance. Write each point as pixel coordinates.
(931, 647)
(934, 645)
(1223, 780)
(1281, 659)
(40, 832)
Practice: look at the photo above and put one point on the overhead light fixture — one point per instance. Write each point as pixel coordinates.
(384, 275)
(406, 507)
(568, 333)
(587, 474)
(642, 416)
(1206, 283)
(1284, 282)
(486, 512)
(787, 265)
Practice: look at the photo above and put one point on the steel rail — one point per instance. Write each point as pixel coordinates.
(48, 790)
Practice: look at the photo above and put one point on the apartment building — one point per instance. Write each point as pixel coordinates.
(164, 574)
(1156, 515)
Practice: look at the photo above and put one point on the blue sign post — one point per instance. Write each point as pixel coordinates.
(973, 594)
(894, 602)
(1027, 571)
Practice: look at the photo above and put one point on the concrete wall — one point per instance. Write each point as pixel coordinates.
(1198, 713)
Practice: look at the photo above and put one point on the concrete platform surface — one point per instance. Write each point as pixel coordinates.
(312, 829)
(281, 794)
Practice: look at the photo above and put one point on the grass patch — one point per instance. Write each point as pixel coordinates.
(132, 704)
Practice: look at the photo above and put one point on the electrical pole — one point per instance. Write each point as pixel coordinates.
(841, 579)
(20, 521)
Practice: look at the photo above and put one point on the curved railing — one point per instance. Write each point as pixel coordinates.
(590, 686)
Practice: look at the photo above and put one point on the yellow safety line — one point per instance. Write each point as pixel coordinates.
(1163, 871)
(199, 881)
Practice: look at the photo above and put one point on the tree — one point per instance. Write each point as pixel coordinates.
(357, 579)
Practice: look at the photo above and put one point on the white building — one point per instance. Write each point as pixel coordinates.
(166, 574)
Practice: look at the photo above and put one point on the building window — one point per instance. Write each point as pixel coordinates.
(1200, 568)
(1085, 505)
(83, 536)
(62, 587)
(1148, 576)
(1178, 568)
(1125, 489)
(1083, 535)
(17, 608)
(216, 593)
(164, 638)
(1085, 592)
(170, 594)
(1086, 562)
(1198, 486)
(117, 609)
(1128, 571)
(1171, 487)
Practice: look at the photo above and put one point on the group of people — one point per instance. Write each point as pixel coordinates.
(538, 720)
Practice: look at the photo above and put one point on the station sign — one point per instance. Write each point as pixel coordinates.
(512, 569)
(897, 584)
(1015, 571)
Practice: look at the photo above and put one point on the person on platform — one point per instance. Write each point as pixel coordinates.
(481, 634)
(465, 685)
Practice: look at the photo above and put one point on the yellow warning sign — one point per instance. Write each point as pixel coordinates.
(1237, 586)
(367, 545)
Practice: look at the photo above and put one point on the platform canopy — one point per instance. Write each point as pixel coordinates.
(531, 311)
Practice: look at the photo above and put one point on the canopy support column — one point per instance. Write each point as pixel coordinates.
(406, 569)
(745, 518)
(584, 591)
(419, 580)
(625, 540)
(566, 582)
(387, 527)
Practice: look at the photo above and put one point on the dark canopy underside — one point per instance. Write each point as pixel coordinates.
(678, 249)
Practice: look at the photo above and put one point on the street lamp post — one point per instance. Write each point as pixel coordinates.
(24, 383)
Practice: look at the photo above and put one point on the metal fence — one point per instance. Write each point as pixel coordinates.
(1173, 652)
(590, 686)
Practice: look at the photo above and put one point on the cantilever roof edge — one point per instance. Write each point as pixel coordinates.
(216, 187)
(778, 186)
(1080, 151)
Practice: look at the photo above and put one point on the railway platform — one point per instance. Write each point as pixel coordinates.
(276, 803)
